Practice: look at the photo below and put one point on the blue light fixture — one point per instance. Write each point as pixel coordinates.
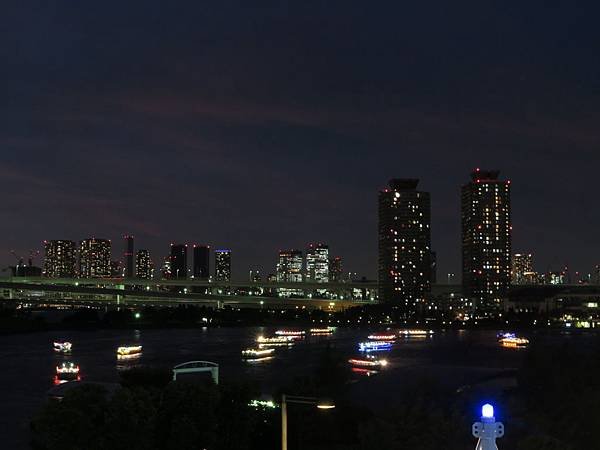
(487, 411)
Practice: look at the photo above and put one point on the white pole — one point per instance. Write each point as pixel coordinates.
(488, 429)
(283, 423)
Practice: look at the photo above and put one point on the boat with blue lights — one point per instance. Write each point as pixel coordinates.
(374, 346)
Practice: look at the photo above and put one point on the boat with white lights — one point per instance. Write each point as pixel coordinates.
(275, 340)
(364, 371)
(374, 346)
(415, 333)
(257, 352)
(129, 352)
(62, 347)
(65, 372)
(328, 330)
(368, 362)
(514, 341)
(292, 334)
(382, 337)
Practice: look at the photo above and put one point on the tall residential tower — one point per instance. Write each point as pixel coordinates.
(317, 263)
(486, 240)
(94, 258)
(61, 259)
(223, 265)
(404, 245)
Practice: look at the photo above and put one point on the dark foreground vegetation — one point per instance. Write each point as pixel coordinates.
(553, 406)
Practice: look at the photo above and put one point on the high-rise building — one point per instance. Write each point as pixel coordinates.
(128, 257)
(404, 245)
(486, 240)
(143, 265)
(289, 267)
(94, 258)
(201, 262)
(165, 270)
(254, 276)
(335, 269)
(317, 263)
(179, 266)
(116, 269)
(522, 268)
(289, 270)
(223, 265)
(61, 259)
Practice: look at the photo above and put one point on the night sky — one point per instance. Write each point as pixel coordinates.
(260, 125)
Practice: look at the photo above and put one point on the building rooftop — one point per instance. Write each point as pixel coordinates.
(399, 184)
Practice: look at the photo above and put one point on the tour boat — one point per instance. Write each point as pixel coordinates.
(62, 347)
(415, 333)
(368, 362)
(513, 341)
(290, 334)
(275, 340)
(382, 337)
(129, 352)
(504, 335)
(65, 372)
(374, 346)
(257, 352)
(364, 371)
(328, 330)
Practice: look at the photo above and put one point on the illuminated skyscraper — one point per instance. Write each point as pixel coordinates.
(404, 245)
(335, 269)
(179, 266)
(223, 265)
(94, 258)
(61, 259)
(486, 240)
(289, 267)
(165, 270)
(143, 265)
(522, 268)
(201, 262)
(317, 263)
(128, 257)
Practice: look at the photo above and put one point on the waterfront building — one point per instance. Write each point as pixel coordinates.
(486, 240)
(404, 245)
(289, 270)
(254, 276)
(143, 265)
(335, 269)
(223, 265)
(317, 263)
(201, 262)
(556, 278)
(116, 269)
(60, 259)
(178, 259)
(128, 257)
(522, 268)
(165, 270)
(94, 258)
(289, 266)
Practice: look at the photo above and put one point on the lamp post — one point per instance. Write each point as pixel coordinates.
(488, 429)
(285, 399)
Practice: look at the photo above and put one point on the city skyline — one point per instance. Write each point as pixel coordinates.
(120, 252)
(102, 123)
